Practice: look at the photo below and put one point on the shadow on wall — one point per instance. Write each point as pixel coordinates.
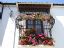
(5, 18)
(58, 33)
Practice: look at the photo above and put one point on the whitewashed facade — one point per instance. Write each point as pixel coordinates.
(9, 33)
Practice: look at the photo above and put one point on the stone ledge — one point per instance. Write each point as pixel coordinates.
(37, 46)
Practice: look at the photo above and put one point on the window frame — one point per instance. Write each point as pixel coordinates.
(34, 24)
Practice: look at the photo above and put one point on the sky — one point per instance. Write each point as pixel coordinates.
(49, 1)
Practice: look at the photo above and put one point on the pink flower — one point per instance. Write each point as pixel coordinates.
(39, 35)
(42, 37)
(30, 38)
(34, 42)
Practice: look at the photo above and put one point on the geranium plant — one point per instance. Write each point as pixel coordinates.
(32, 39)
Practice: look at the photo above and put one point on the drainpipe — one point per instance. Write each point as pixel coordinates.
(1, 10)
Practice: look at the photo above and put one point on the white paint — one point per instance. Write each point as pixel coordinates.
(57, 10)
(0, 27)
(8, 27)
(9, 34)
(0, 31)
(58, 31)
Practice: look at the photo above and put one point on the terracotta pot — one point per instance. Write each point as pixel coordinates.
(24, 41)
(50, 43)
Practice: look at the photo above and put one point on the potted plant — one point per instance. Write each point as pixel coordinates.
(24, 40)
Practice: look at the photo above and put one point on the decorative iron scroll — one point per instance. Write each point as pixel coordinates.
(29, 36)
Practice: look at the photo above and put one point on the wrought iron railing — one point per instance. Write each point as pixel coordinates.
(47, 22)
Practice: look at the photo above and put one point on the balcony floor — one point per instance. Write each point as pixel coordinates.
(37, 46)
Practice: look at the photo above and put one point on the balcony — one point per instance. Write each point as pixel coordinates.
(41, 39)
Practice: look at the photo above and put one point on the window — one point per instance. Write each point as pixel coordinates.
(37, 24)
(46, 27)
(29, 23)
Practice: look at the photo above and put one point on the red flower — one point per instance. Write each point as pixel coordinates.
(37, 36)
(46, 41)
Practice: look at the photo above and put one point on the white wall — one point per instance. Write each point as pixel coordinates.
(58, 30)
(57, 10)
(0, 27)
(8, 27)
(0, 33)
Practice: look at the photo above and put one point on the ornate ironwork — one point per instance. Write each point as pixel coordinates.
(47, 22)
